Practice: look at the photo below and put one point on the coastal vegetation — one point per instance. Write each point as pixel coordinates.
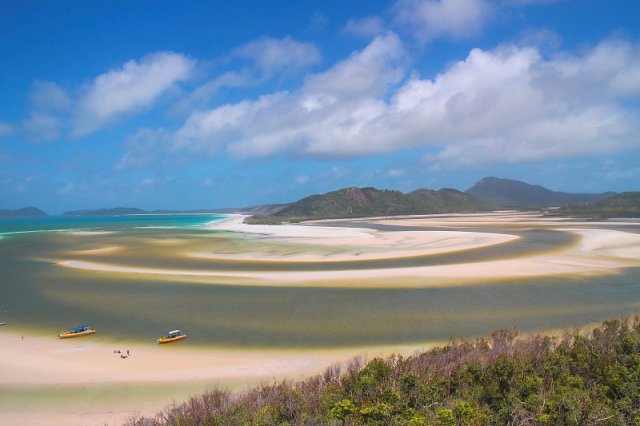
(626, 204)
(575, 379)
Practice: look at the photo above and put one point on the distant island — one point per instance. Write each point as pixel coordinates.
(24, 212)
(514, 194)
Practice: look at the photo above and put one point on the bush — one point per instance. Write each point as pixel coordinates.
(577, 379)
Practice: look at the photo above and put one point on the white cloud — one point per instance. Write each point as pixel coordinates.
(365, 27)
(203, 94)
(42, 126)
(330, 104)
(507, 105)
(48, 96)
(431, 19)
(279, 55)
(133, 87)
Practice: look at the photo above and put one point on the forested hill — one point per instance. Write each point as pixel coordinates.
(626, 204)
(509, 193)
(366, 202)
(24, 212)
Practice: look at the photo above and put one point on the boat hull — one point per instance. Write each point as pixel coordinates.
(171, 339)
(68, 335)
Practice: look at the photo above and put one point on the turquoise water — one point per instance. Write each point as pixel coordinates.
(104, 223)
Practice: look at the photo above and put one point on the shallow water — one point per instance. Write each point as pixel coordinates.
(40, 296)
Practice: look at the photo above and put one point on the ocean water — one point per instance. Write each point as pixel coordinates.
(40, 296)
(104, 223)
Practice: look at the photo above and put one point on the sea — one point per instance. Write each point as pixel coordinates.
(105, 223)
(38, 295)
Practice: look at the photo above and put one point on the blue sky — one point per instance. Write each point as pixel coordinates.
(205, 104)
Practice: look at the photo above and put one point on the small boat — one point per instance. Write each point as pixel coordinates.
(172, 336)
(80, 330)
(2, 323)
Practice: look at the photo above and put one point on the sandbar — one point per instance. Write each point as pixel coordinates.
(598, 251)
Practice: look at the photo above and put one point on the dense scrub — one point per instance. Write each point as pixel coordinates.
(578, 379)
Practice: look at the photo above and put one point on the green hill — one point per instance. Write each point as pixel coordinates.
(25, 212)
(626, 204)
(509, 193)
(367, 202)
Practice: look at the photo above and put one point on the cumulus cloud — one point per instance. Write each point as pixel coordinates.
(279, 55)
(131, 88)
(203, 94)
(334, 102)
(263, 59)
(507, 105)
(431, 19)
(365, 27)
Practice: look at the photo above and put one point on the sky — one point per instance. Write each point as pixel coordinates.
(210, 104)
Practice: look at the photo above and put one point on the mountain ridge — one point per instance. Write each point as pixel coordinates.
(510, 193)
(369, 201)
